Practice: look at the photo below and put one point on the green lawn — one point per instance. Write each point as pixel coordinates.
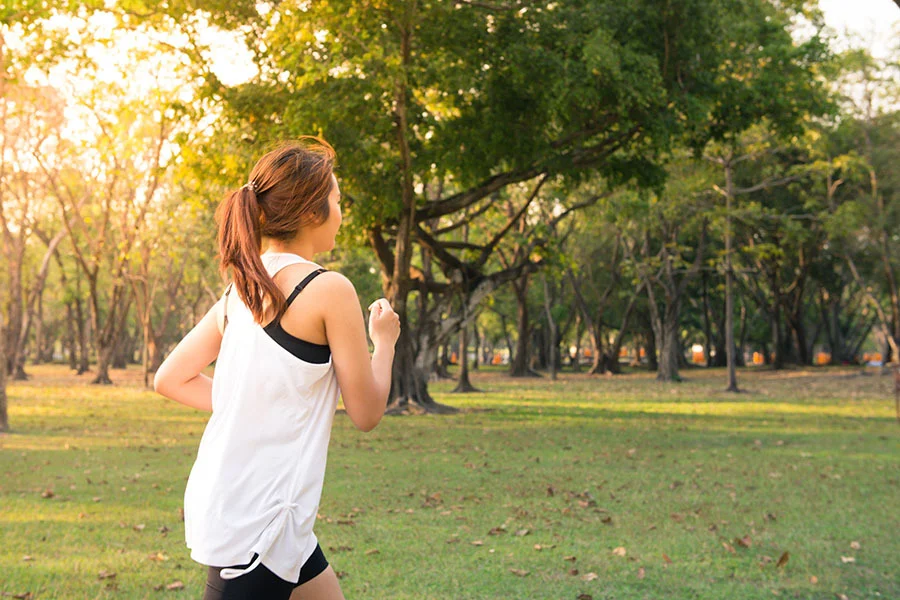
(585, 487)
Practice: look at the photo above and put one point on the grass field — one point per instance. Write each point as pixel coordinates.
(582, 488)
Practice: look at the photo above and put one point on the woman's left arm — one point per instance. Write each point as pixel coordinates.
(180, 377)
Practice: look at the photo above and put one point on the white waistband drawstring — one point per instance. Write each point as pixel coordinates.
(273, 530)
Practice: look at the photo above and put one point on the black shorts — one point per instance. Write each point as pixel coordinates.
(261, 582)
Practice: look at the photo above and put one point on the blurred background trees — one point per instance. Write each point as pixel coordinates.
(573, 185)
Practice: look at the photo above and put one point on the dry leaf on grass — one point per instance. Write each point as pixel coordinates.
(519, 572)
(847, 559)
(619, 551)
(783, 560)
(175, 585)
(589, 576)
(641, 573)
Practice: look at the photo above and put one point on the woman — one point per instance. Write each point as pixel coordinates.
(287, 337)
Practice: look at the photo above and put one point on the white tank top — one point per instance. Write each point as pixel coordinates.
(257, 480)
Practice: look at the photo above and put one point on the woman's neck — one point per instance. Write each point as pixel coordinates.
(295, 246)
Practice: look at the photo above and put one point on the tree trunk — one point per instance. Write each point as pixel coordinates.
(477, 339)
(707, 325)
(519, 366)
(777, 342)
(729, 285)
(742, 337)
(463, 385)
(598, 365)
(671, 346)
(70, 336)
(553, 335)
(83, 364)
(4, 413)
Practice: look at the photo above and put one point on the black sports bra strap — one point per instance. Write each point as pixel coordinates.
(225, 307)
(301, 285)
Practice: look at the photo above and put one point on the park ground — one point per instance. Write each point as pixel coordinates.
(602, 488)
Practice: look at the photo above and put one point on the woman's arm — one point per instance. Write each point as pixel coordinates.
(365, 382)
(180, 376)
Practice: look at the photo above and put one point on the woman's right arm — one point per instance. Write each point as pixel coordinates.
(365, 381)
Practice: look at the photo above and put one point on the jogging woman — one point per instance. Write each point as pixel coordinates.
(287, 337)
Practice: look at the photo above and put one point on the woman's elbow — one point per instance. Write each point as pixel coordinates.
(365, 421)
(367, 424)
(160, 383)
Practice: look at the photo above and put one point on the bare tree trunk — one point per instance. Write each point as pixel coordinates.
(729, 284)
(598, 365)
(554, 342)
(477, 335)
(707, 326)
(520, 363)
(463, 385)
(4, 412)
(70, 336)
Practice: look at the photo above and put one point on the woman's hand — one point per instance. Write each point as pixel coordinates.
(384, 324)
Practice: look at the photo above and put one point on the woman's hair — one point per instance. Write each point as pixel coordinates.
(288, 189)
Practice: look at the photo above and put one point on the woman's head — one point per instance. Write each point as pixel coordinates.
(290, 192)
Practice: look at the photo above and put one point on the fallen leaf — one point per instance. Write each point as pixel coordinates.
(164, 530)
(589, 576)
(743, 542)
(813, 579)
(607, 520)
(478, 543)
(847, 559)
(105, 575)
(372, 551)
(569, 558)
(641, 573)
(48, 493)
(175, 585)
(27, 558)
(158, 557)
(139, 527)
(497, 530)
(843, 597)
(573, 571)
(619, 551)
(584, 597)
(522, 532)
(519, 572)
(854, 545)
(783, 560)
(340, 574)
(729, 547)
(666, 558)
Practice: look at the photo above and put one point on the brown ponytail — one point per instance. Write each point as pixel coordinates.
(288, 189)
